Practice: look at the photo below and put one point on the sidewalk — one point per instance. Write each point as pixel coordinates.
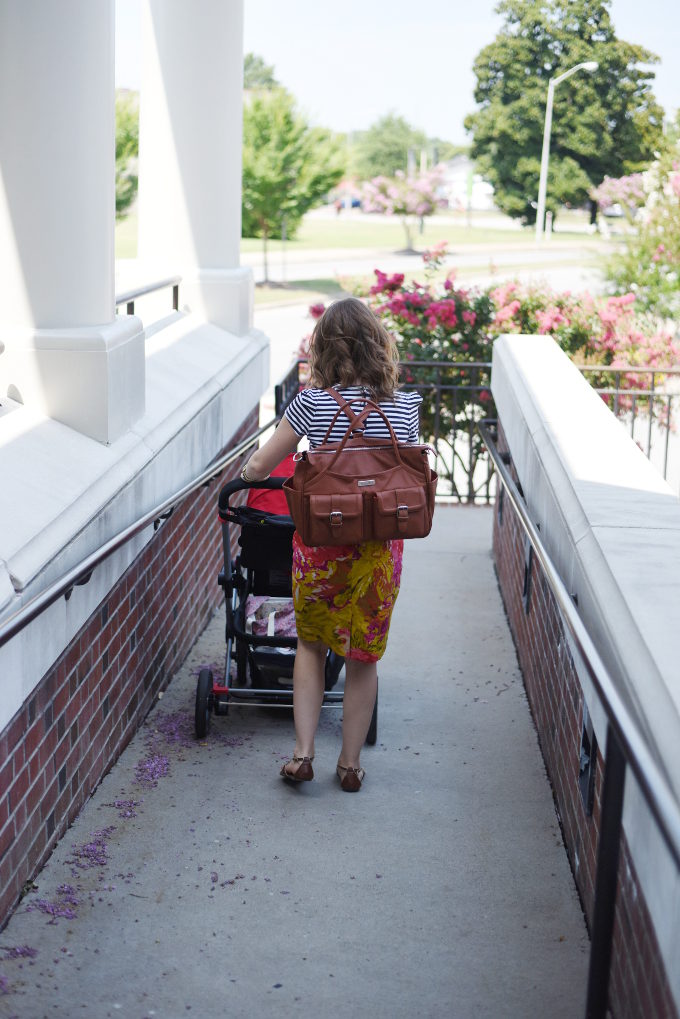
(196, 882)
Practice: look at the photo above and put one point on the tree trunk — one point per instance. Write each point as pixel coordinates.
(593, 212)
(264, 254)
(407, 230)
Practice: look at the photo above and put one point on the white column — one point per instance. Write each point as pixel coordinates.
(65, 352)
(190, 154)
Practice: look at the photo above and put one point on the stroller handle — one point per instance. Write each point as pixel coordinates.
(238, 485)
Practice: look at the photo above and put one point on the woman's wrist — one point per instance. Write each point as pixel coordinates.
(248, 478)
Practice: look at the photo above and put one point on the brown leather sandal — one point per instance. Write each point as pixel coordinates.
(305, 772)
(351, 781)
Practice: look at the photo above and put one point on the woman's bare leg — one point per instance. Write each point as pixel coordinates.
(361, 687)
(308, 691)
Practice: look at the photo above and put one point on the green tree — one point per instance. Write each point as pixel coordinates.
(441, 151)
(384, 148)
(288, 167)
(257, 74)
(605, 123)
(127, 150)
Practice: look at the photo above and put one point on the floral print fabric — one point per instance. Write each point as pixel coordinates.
(344, 595)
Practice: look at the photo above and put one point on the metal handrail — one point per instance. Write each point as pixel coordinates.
(627, 368)
(128, 297)
(625, 746)
(80, 573)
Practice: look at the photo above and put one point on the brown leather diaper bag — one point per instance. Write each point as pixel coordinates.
(361, 489)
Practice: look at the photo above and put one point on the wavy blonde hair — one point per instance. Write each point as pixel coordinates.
(350, 347)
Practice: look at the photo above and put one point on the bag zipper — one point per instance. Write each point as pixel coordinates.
(359, 449)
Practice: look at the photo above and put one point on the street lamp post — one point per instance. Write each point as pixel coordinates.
(589, 65)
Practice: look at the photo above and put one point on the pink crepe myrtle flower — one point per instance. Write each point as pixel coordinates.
(508, 312)
(436, 253)
(550, 319)
(317, 310)
(501, 294)
(674, 183)
(385, 283)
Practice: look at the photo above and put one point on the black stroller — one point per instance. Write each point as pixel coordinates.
(260, 633)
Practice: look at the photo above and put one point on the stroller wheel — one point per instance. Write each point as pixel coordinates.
(372, 735)
(204, 702)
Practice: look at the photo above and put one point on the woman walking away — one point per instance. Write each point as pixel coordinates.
(343, 594)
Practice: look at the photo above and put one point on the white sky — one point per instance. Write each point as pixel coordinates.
(348, 64)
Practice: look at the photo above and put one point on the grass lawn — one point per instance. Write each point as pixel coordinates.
(126, 237)
(369, 232)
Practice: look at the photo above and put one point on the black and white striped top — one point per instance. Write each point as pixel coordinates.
(312, 410)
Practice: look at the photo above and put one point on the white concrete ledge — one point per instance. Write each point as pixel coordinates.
(611, 524)
(64, 494)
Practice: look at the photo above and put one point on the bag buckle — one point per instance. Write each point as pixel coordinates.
(402, 512)
(336, 518)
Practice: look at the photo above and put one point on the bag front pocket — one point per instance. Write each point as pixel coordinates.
(334, 520)
(401, 513)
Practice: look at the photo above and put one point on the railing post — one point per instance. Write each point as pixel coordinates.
(606, 878)
(669, 408)
(651, 415)
(472, 427)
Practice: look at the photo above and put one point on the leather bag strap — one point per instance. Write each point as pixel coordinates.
(357, 419)
(346, 407)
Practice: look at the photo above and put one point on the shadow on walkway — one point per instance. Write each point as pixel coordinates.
(196, 882)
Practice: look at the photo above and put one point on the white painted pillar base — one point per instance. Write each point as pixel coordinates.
(91, 378)
(222, 296)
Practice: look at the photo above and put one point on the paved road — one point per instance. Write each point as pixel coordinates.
(441, 890)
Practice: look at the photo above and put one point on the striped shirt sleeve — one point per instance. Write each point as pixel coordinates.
(414, 417)
(300, 412)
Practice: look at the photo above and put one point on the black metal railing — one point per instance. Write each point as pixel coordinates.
(625, 748)
(288, 387)
(456, 397)
(128, 297)
(646, 400)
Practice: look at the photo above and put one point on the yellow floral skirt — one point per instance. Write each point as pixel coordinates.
(344, 595)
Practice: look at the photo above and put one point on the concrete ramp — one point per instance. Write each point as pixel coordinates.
(196, 882)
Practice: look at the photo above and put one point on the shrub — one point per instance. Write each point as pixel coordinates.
(445, 334)
(649, 266)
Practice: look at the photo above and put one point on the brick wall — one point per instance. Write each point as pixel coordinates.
(639, 987)
(84, 711)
